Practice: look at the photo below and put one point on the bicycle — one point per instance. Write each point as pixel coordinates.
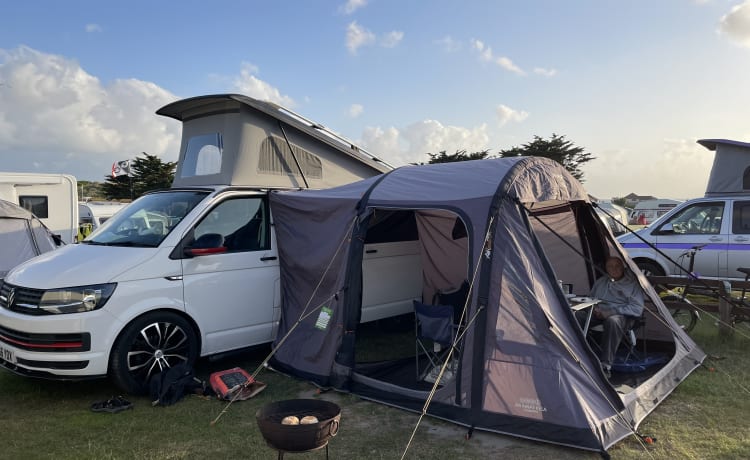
(685, 316)
(686, 313)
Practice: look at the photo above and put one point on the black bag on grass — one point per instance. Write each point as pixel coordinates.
(171, 385)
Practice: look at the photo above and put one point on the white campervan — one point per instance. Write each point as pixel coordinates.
(193, 270)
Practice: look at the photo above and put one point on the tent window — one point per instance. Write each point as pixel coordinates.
(391, 227)
(37, 205)
(203, 155)
(276, 158)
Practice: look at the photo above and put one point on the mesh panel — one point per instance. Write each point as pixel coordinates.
(276, 158)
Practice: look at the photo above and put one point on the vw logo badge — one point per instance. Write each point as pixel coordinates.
(11, 297)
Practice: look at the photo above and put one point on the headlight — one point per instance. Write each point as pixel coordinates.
(76, 299)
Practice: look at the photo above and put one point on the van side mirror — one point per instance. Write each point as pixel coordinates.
(210, 243)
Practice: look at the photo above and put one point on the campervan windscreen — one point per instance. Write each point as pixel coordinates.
(147, 221)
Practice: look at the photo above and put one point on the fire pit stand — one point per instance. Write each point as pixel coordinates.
(298, 438)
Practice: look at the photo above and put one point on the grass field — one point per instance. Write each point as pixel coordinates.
(705, 418)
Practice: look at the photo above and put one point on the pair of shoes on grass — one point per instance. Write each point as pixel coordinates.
(113, 405)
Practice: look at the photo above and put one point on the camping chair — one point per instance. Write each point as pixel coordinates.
(435, 333)
(629, 340)
(456, 298)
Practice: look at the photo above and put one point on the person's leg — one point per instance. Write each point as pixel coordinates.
(614, 329)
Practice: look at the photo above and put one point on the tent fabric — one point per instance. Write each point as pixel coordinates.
(22, 236)
(525, 368)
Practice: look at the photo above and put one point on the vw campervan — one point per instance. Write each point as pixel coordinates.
(193, 270)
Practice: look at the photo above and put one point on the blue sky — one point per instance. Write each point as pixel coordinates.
(634, 82)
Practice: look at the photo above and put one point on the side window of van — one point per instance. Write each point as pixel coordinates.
(698, 219)
(242, 221)
(741, 218)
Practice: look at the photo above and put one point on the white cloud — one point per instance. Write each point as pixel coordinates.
(93, 28)
(506, 114)
(352, 5)
(448, 44)
(736, 24)
(545, 72)
(56, 117)
(412, 143)
(358, 36)
(249, 84)
(620, 172)
(486, 55)
(355, 110)
(391, 39)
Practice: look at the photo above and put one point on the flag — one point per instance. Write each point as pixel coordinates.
(121, 168)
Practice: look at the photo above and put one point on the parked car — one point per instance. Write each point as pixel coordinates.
(616, 217)
(718, 226)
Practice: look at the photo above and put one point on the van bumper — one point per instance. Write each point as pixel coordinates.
(63, 347)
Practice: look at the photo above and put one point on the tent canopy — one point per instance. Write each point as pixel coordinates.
(511, 228)
(22, 236)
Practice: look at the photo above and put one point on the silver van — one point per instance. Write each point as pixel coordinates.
(719, 227)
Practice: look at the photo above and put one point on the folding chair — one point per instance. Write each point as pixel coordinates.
(435, 332)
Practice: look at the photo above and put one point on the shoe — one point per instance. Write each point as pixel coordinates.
(113, 405)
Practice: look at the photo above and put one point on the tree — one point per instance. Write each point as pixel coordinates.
(556, 148)
(460, 155)
(147, 173)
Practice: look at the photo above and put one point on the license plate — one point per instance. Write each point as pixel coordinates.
(7, 354)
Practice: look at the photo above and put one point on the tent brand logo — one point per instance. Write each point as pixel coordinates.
(531, 405)
(323, 318)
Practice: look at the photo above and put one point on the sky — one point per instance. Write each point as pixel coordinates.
(634, 82)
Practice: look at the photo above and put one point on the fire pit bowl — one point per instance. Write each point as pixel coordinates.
(298, 438)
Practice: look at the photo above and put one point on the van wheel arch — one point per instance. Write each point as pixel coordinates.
(649, 267)
(150, 342)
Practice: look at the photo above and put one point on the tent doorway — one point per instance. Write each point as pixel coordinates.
(387, 349)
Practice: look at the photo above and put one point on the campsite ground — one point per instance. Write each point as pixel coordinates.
(705, 418)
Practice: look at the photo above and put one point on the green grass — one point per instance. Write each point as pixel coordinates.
(705, 418)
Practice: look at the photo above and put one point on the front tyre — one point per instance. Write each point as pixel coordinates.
(685, 317)
(149, 345)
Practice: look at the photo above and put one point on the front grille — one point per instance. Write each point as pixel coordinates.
(46, 342)
(21, 299)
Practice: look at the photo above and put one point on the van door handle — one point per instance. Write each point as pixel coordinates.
(741, 239)
(263, 259)
(715, 238)
(371, 251)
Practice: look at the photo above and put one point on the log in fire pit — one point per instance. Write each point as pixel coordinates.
(302, 437)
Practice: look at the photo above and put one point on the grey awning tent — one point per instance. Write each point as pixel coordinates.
(22, 236)
(525, 368)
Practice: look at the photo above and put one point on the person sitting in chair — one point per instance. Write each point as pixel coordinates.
(621, 301)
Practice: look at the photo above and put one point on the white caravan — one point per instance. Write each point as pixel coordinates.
(193, 270)
(97, 212)
(53, 198)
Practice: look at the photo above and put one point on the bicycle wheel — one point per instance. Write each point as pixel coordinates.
(685, 317)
